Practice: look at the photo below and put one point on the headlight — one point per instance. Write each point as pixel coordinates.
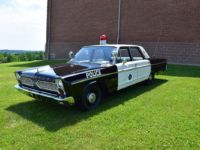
(18, 77)
(60, 86)
(59, 83)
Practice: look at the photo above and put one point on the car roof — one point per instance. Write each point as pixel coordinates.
(116, 45)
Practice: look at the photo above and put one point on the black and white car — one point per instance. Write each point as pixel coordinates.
(93, 71)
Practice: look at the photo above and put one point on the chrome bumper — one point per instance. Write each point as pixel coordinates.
(32, 93)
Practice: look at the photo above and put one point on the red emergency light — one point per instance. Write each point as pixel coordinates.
(103, 39)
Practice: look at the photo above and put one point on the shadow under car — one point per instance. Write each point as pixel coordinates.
(54, 117)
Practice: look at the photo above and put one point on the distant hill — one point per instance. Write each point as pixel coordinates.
(7, 56)
(16, 51)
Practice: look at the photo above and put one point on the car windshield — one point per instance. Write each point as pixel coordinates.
(94, 54)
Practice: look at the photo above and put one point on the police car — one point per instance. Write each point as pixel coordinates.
(93, 71)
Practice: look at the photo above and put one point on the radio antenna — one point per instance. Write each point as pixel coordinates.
(119, 22)
(159, 37)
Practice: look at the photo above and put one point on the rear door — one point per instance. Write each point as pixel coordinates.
(127, 72)
(143, 65)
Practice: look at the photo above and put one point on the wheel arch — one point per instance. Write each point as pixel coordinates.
(100, 84)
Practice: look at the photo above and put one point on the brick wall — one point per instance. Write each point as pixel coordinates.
(168, 29)
(83, 20)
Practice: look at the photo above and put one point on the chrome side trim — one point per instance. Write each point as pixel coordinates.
(132, 68)
(30, 92)
(104, 75)
(124, 70)
(74, 74)
(141, 67)
(84, 80)
(83, 72)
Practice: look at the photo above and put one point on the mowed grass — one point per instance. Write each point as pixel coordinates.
(164, 115)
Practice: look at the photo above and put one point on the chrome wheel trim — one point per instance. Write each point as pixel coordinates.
(91, 98)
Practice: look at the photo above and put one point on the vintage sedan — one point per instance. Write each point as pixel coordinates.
(92, 72)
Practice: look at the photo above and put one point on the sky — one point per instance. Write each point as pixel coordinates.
(23, 24)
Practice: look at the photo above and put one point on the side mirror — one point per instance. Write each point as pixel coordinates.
(71, 55)
(114, 56)
(124, 61)
(114, 53)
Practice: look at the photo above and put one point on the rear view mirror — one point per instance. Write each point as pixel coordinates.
(71, 55)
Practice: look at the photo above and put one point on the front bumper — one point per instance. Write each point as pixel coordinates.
(36, 93)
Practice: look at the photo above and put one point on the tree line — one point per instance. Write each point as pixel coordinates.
(28, 56)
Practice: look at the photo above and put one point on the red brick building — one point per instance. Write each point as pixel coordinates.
(166, 28)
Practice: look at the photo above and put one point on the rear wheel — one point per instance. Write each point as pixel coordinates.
(90, 99)
(151, 78)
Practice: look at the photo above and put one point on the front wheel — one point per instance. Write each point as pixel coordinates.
(91, 98)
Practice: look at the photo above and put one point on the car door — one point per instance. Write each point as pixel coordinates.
(143, 65)
(127, 72)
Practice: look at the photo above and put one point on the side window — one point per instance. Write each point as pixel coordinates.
(123, 55)
(135, 54)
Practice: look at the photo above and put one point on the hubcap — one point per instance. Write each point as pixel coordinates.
(91, 97)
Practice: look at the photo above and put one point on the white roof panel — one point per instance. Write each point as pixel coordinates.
(115, 45)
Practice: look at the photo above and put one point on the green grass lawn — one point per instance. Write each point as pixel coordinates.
(165, 115)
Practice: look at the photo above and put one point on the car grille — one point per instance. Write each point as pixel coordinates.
(50, 86)
(27, 81)
(43, 85)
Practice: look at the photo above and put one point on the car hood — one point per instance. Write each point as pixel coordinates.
(58, 70)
